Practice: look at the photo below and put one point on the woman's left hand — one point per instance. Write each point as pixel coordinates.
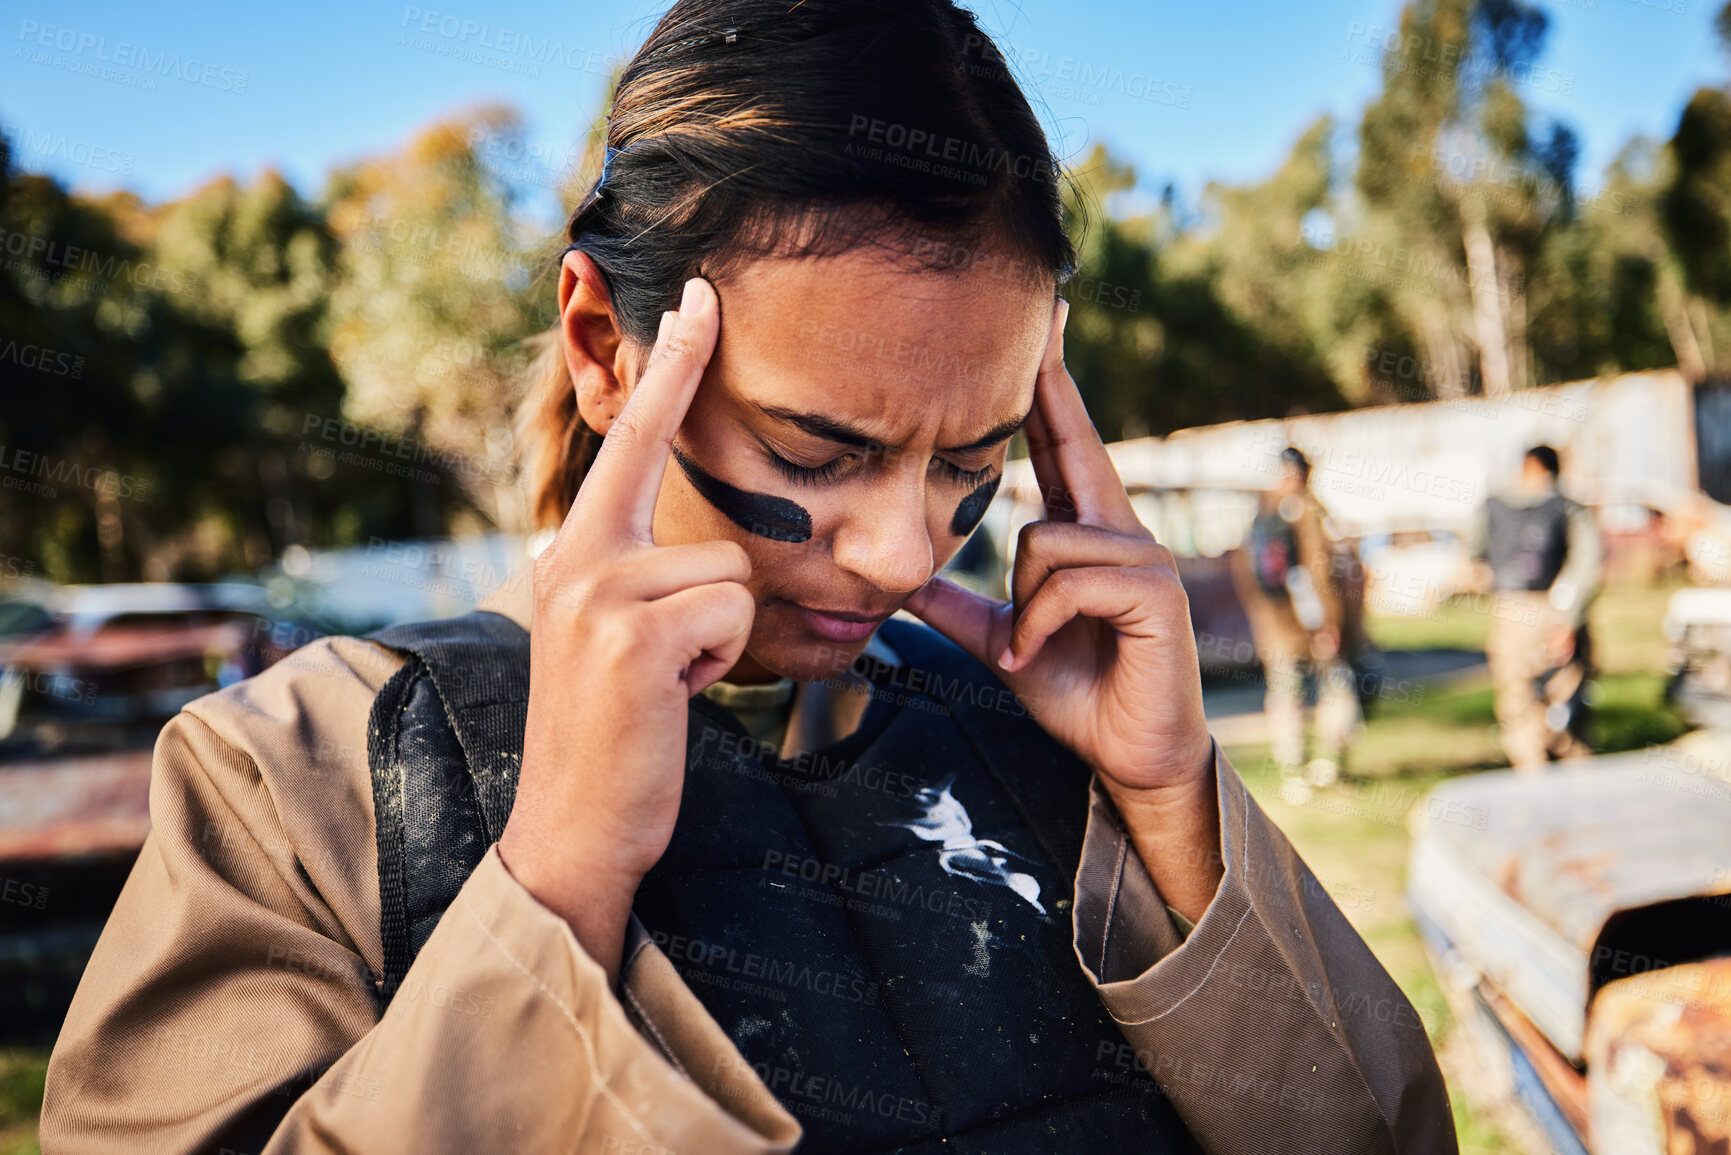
(1096, 640)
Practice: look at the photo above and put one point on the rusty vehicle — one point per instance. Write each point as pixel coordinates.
(1580, 922)
(1698, 654)
(88, 675)
(105, 666)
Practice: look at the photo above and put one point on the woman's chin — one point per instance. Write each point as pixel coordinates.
(804, 659)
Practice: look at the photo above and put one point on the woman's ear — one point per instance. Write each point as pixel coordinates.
(597, 357)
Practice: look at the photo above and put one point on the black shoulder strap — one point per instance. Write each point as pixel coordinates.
(466, 678)
(479, 664)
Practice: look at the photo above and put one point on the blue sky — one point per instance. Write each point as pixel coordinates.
(105, 94)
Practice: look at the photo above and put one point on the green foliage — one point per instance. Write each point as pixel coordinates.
(1154, 342)
(23, 1075)
(1594, 296)
(1630, 713)
(432, 307)
(1696, 209)
(176, 379)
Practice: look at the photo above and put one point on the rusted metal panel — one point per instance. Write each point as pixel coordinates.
(1522, 873)
(120, 647)
(1659, 1049)
(74, 806)
(1564, 1086)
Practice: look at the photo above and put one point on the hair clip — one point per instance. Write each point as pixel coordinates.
(606, 168)
(726, 36)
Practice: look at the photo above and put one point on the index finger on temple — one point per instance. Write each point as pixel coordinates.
(1064, 442)
(625, 478)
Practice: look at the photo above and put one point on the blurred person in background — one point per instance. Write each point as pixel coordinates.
(1289, 575)
(1540, 555)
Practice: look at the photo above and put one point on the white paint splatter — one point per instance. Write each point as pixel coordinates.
(981, 967)
(946, 822)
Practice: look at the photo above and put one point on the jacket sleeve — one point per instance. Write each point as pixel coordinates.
(227, 1005)
(1271, 1026)
(1578, 582)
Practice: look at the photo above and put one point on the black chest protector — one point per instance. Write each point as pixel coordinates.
(881, 927)
(1526, 546)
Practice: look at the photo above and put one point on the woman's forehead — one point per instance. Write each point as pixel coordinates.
(866, 339)
(868, 277)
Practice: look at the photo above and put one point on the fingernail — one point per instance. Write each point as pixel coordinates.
(1063, 315)
(667, 320)
(1005, 658)
(692, 298)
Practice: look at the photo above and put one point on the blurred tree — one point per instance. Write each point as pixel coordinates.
(1695, 209)
(1598, 285)
(1405, 205)
(432, 308)
(160, 368)
(1153, 345)
(1453, 165)
(1271, 256)
(264, 265)
(108, 389)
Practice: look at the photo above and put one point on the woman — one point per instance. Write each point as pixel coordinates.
(983, 886)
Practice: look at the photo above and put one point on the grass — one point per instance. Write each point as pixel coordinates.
(1354, 835)
(22, 1073)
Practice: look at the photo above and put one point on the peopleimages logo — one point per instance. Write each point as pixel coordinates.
(35, 254)
(932, 146)
(518, 51)
(1426, 56)
(122, 54)
(40, 358)
(70, 151)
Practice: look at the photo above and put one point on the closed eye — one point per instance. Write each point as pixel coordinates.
(831, 470)
(807, 474)
(958, 475)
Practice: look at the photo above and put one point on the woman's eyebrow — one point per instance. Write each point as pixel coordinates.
(820, 426)
(1003, 431)
(840, 431)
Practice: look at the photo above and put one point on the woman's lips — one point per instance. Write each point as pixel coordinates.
(838, 625)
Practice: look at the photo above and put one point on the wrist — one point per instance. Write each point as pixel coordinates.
(593, 896)
(565, 874)
(1175, 830)
(1170, 805)
(1185, 770)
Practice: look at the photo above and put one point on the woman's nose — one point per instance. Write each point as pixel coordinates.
(885, 539)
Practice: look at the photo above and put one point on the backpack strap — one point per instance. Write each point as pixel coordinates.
(444, 743)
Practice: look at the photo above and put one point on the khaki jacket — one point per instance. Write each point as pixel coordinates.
(231, 993)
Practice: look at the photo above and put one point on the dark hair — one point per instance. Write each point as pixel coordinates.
(752, 128)
(1294, 456)
(1547, 457)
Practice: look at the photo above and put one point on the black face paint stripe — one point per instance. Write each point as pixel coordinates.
(973, 507)
(776, 518)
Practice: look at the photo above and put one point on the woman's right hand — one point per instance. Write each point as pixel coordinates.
(624, 633)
